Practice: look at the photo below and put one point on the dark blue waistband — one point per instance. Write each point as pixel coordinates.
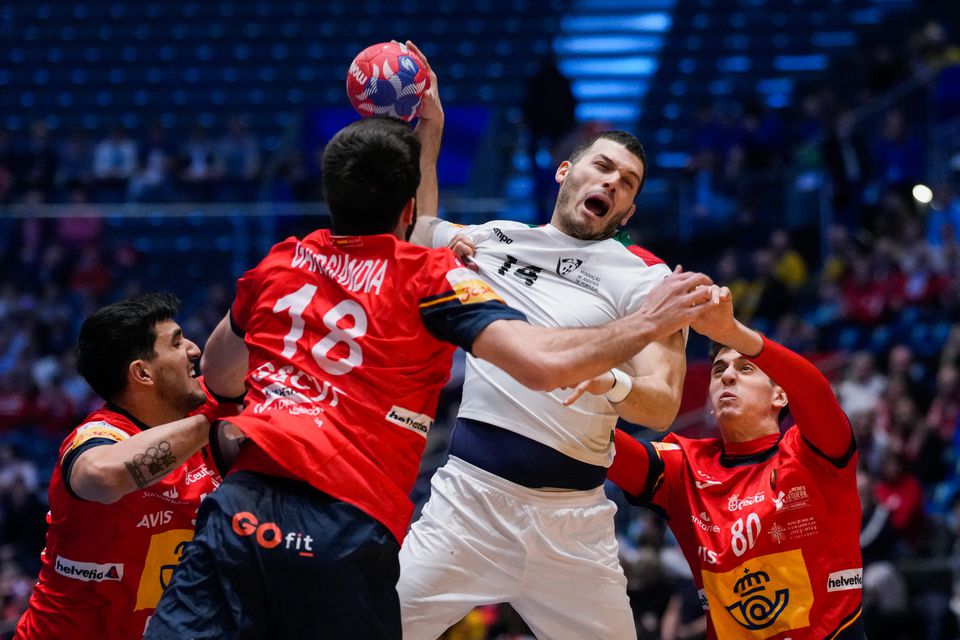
(519, 459)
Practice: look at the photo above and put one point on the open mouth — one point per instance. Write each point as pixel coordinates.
(598, 205)
(194, 370)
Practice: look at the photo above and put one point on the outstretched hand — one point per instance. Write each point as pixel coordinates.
(675, 302)
(716, 320)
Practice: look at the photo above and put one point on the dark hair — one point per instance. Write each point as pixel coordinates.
(625, 138)
(118, 334)
(370, 170)
(716, 348)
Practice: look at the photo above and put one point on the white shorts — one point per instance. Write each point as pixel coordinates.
(482, 540)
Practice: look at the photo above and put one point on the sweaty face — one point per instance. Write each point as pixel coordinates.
(597, 191)
(174, 368)
(741, 394)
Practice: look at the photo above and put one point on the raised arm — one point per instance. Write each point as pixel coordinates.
(811, 399)
(224, 361)
(430, 131)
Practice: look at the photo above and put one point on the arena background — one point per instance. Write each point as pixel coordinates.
(805, 153)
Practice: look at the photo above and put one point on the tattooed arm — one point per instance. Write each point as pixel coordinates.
(107, 473)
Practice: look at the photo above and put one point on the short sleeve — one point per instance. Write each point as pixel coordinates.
(643, 280)
(87, 436)
(444, 231)
(456, 304)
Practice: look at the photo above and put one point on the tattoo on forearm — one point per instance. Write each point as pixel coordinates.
(151, 464)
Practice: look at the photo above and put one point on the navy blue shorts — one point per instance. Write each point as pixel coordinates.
(274, 558)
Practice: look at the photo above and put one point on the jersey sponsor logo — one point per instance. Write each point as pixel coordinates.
(419, 423)
(269, 535)
(703, 484)
(353, 274)
(845, 580)
(502, 237)
(89, 571)
(163, 555)
(795, 498)
(98, 429)
(198, 474)
(709, 528)
(762, 597)
(151, 520)
(291, 386)
(777, 532)
(707, 555)
(736, 503)
(568, 265)
(703, 600)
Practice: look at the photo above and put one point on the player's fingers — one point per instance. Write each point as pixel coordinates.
(419, 54)
(725, 293)
(577, 392)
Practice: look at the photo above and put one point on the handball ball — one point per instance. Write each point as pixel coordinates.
(387, 79)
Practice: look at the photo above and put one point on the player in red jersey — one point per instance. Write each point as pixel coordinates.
(125, 494)
(344, 341)
(769, 523)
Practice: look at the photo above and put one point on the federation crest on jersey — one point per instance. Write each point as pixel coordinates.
(568, 265)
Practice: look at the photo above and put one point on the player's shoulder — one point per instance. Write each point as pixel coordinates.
(102, 423)
(634, 252)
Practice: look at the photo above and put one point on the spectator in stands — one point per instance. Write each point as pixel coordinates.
(862, 386)
(549, 111)
(789, 267)
(199, 168)
(39, 159)
(75, 161)
(899, 491)
(238, 156)
(898, 154)
(151, 182)
(847, 159)
(114, 161)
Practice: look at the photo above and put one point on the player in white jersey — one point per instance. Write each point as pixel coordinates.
(518, 513)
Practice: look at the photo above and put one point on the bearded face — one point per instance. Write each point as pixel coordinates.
(597, 191)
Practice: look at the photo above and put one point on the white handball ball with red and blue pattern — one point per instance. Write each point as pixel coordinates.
(387, 79)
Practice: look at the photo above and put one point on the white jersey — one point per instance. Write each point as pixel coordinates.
(557, 281)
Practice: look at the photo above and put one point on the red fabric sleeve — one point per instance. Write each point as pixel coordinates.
(631, 464)
(813, 405)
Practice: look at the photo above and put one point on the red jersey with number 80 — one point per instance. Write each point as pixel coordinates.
(344, 375)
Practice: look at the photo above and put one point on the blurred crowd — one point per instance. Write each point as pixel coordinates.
(880, 288)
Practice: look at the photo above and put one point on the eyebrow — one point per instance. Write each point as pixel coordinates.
(623, 169)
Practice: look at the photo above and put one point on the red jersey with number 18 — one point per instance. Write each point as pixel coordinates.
(350, 345)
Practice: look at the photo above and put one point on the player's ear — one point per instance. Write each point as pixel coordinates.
(138, 372)
(633, 210)
(562, 171)
(406, 216)
(779, 398)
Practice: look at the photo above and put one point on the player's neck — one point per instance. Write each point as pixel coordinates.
(149, 411)
(746, 432)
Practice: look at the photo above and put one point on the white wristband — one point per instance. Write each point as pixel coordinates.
(622, 385)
